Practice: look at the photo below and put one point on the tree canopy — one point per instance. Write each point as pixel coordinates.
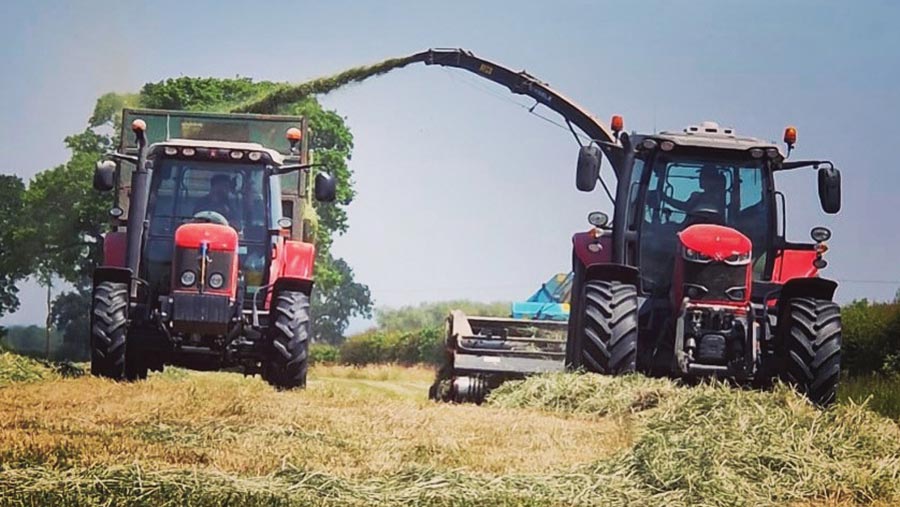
(14, 264)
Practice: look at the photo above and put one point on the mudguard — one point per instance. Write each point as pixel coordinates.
(580, 242)
(114, 246)
(299, 259)
(303, 285)
(794, 263)
(612, 272)
(112, 274)
(816, 288)
(293, 267)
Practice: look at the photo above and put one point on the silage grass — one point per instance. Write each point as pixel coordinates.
(273, 101)
(713, 444)
(188, 438)
(219, 435)
(15, 368)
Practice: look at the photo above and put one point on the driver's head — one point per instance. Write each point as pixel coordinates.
(711, 179)
(220, 186)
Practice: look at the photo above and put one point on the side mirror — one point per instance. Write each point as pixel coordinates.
(588, 170)
(325, 187)
(105, 175)
(830, 189)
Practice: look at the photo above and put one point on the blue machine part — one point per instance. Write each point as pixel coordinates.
(550, 302)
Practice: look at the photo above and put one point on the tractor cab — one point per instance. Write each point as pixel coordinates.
(216, 183)
(708, 175)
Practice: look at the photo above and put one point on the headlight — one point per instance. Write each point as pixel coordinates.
(188, 278)
(738, 259)
(695, 256)
(216, 280)
(820, 234)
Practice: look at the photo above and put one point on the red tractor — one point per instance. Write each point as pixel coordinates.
(694, 276)
(210, 265)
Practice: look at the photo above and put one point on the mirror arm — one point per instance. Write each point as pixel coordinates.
(121, 157)
(786, 166)
(285, 169)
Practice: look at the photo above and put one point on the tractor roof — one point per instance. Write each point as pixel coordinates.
(277, 158)
(710, 135)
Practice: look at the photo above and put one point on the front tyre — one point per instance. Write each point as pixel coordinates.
(109, 327)
(606, 335)
(811, 348)
(288, 360)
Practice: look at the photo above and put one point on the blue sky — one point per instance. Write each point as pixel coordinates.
(463, 194)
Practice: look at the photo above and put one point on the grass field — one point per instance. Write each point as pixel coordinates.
(879, 392)
(369, 437)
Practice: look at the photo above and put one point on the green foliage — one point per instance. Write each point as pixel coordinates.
(17, 368)
(201, 94)
(15, 263)
(32, 341)
(336, 299)
(376, 346)
(71, 314)
(411, 334)
(323, 353)
(65, 217)
(881, 393)
(871, 337)
(424, 315)
(108, 109)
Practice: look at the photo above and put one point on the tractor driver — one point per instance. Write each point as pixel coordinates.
(219, 198)
(710, 197)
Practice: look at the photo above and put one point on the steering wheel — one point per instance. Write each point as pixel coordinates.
(705, 215)
(210, 217)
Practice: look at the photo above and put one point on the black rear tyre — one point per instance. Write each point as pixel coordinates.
(289, 355)
(109, 327)
(811, 348)
(605, 336)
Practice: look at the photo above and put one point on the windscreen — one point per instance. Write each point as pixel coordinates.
(181, 189)
(685, 191)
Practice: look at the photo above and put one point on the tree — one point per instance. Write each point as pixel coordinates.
(428, 315)
(338, 302)
(66, 217)
(15, 263)
(65, 223)
(70, 314)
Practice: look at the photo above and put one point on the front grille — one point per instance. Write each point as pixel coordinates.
(189, 258)
(714, 281)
